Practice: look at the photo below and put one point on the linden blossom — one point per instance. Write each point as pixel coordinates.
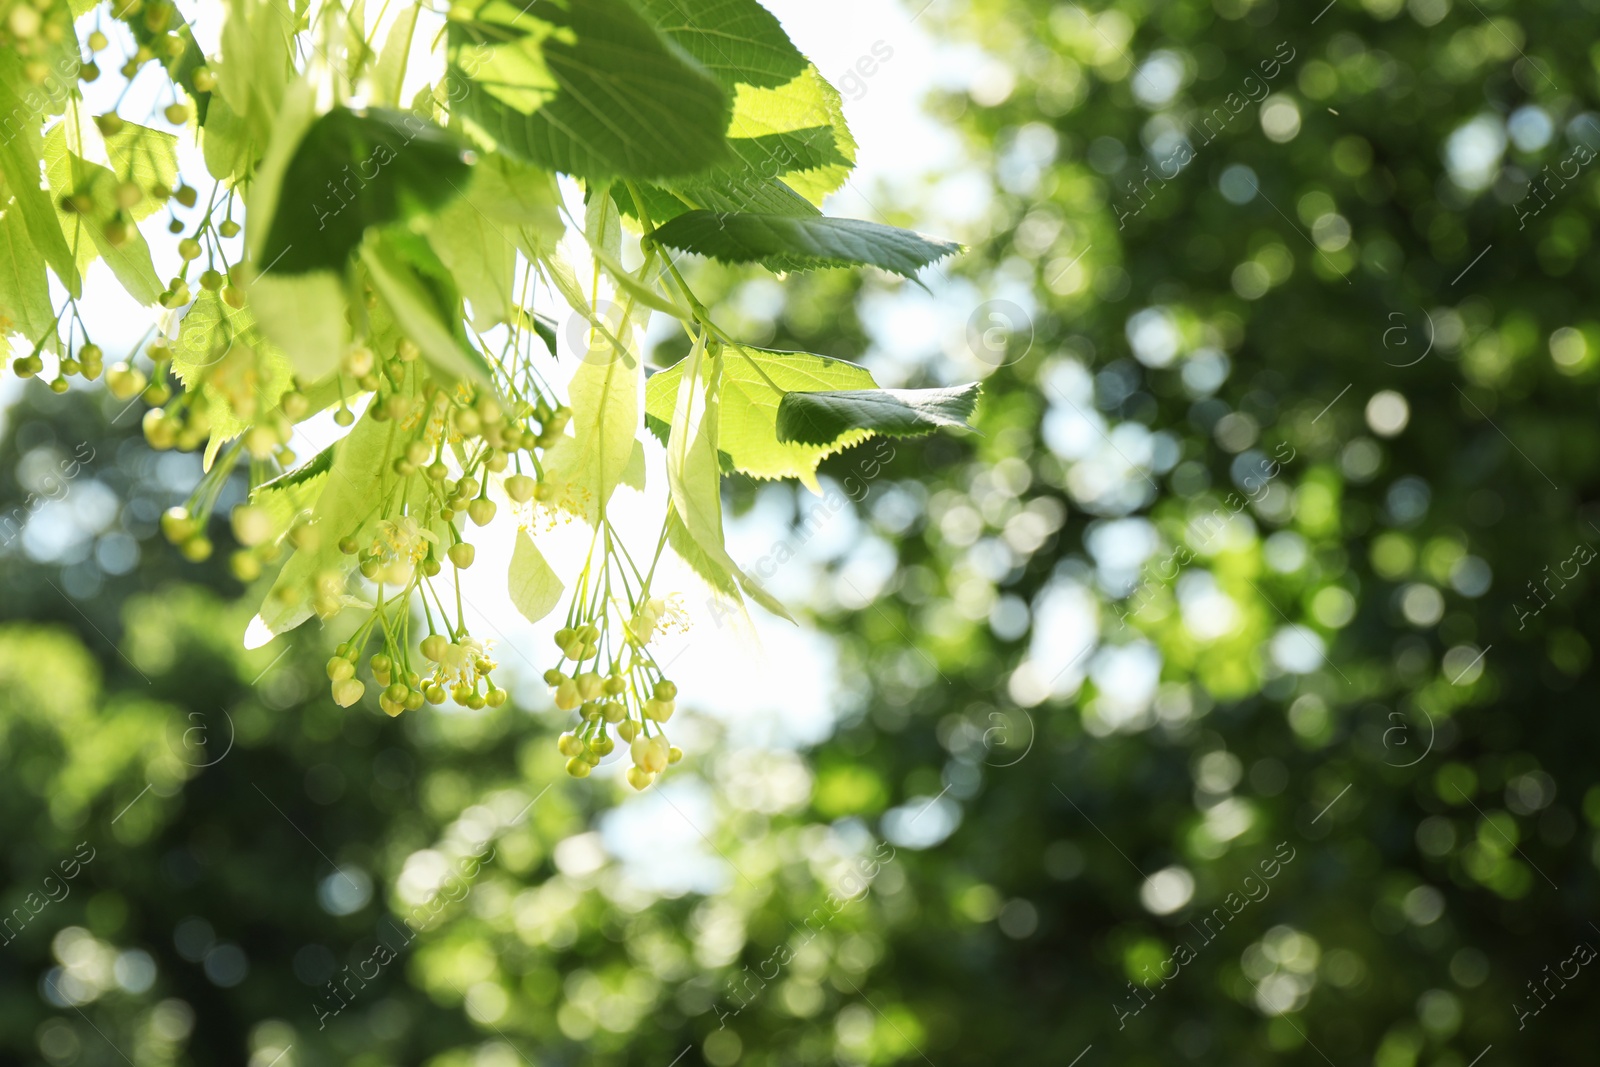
(1184, 154)
(1232, 905)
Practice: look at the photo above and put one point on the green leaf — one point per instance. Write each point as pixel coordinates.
(304, 315)
(782, 242)
(20, 153)
(747, 430)
(296, 112)
(504, 206)
(481, 259)
(220, 351)
(226, 142)
(423, 301)
(389, 74)
(24, 287)
(535, 589)
(585, 87)
(521, 199)
(317, 464)
(70, 174)
(353, 171)
(788, 133)
(255, 66)
(290, 494)
(145, 157)
(816, 418)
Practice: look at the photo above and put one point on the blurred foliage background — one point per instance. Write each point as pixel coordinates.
(1226, 701)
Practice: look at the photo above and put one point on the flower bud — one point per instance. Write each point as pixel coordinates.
(434, 646)
(245, 566)
(481, 511)
(251, 524)
(177, 524)
(340, 668)
(639, 779)
(347, 691)
(125, 382)
(579, 767)
(567, 695)
(519, 487)
(569, 744)
(461, 554)
(589, 685)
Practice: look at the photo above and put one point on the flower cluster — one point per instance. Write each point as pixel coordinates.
(616, 687)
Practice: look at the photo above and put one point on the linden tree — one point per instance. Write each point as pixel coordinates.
(389, 213)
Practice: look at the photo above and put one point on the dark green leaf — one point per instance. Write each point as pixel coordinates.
(819, 418)
(788, 243)
(352, 171)
(585, 87)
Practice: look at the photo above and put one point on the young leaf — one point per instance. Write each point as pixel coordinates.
(535, 590)
(585, 87)
(782, 242)
(747, 430)
(353, 171)
(815, 418)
